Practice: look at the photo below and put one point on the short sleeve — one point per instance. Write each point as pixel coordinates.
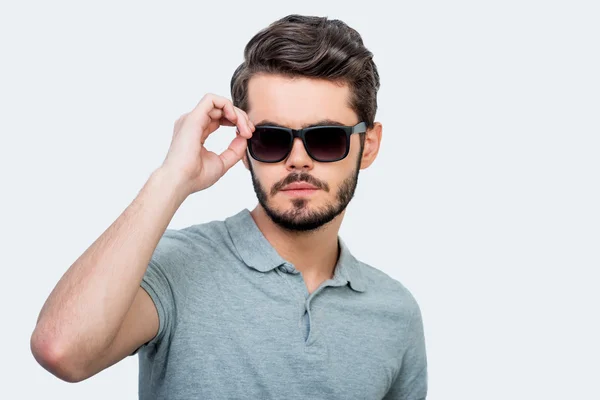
(158, 282)
(411, 381)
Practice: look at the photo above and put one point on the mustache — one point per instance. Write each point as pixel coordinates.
(301, 177)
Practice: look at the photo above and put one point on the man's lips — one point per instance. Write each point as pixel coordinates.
(299, 186)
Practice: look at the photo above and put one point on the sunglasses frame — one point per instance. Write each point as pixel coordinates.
(361, 127)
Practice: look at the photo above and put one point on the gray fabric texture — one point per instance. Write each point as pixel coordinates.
(236, 321)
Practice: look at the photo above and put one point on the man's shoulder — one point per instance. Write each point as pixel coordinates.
(211, 234)
(387, 287)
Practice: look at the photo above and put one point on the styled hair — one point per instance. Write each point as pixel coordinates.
(314, 47)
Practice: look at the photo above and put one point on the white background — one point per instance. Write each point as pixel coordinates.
(484, 200)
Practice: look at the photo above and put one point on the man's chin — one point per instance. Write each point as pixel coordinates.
(297, 224)
(295, 209)
(300, 219)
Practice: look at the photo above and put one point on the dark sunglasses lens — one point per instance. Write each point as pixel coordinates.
(269, 144)
(326, 144)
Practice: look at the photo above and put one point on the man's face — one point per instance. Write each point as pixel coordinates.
(296, 103)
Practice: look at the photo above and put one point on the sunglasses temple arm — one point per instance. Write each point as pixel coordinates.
(359, 128)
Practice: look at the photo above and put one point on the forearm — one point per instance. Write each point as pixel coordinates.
(85, 310)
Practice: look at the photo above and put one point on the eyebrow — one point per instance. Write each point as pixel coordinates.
(319, 123)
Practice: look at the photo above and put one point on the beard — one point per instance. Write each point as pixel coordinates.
(301, 217)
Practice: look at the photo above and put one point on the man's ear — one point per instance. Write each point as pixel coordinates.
(372, 143)
(245, 160)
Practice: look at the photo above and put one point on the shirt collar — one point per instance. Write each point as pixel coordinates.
(258, 253)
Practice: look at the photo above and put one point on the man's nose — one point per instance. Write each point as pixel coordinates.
(298, 158)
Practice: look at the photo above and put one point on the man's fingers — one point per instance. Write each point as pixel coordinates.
(233, 153)
(215, 114)
(207, 104)
(221, 109)
(243, 124)
(224, 121)
(218, 115)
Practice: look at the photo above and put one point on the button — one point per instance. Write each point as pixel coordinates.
(289, 268)
(286, 267)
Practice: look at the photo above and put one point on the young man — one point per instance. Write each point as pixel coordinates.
(268, 303)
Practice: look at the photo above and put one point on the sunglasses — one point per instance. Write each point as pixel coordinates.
(329, 143)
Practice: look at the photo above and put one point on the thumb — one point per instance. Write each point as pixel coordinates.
(234, 152)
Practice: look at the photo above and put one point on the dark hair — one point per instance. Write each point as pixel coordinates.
(316, 47)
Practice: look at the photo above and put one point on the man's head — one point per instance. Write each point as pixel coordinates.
(298, 72)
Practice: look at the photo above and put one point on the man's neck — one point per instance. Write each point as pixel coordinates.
(313, 253)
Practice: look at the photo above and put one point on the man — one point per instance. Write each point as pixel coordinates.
(268, 303)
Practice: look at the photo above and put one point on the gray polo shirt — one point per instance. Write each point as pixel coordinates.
(236, 321)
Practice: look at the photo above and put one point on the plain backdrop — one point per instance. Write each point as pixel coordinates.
(484, 200)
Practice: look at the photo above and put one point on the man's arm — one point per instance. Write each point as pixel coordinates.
(88, 321)
(97, 312)
(412, 381)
